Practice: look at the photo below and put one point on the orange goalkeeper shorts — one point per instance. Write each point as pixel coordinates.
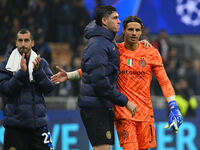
(141, 135)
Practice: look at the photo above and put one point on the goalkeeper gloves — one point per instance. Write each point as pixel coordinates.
(175, 117)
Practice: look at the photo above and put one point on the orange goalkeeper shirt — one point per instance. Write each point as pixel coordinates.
(136, 69)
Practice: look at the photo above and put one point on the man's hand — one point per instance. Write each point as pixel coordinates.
(36, 63)
(23, 63)
(59, 77)
(175, 117)
(132, 108)
(146, 43)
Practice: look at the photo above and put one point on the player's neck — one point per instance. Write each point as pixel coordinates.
(131, 46)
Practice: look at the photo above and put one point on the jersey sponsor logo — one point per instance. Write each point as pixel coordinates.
(142, 62)
(113, 48)
(138, 74)
(130, 62)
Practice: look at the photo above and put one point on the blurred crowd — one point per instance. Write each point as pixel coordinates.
(49, 20)
(63, 21)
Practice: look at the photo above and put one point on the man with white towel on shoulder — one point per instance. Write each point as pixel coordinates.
(24, 78)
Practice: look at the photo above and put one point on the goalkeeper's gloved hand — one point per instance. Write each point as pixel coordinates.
(175, 117)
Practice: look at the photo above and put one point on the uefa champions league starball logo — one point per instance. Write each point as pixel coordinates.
(189, 11)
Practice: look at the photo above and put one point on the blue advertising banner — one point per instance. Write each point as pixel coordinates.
(68, 132)
(176, 16)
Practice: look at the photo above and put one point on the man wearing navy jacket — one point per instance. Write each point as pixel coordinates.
(100, 70)
(24, 78)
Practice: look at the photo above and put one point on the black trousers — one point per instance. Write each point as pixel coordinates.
(99, 124)
(19, 138)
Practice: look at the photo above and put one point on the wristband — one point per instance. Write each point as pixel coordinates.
(172, 104)
(74, 75)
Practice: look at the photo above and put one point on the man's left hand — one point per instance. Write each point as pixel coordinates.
(36, 63)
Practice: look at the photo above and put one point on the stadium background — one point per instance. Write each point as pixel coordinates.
(58, 30)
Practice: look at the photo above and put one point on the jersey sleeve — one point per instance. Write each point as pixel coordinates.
(161, 76)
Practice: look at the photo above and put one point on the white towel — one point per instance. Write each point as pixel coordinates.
(14, 60)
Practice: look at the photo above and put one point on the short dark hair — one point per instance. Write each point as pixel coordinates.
(132, 19)
(103, 11)
(24, 31)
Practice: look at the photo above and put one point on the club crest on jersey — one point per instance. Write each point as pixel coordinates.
(125, 134)
(142, 62)
(130, 62)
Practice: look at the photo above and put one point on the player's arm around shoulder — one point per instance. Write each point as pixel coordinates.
(146, 43)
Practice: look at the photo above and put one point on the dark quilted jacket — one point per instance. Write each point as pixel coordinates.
(100, 70)
(24, 102)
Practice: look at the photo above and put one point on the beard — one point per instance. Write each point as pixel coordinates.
(24, 50)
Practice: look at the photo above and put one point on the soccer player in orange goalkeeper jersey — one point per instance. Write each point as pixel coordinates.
(137, 64)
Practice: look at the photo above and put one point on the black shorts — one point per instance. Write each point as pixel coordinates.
(27, 139)
(99, 124)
